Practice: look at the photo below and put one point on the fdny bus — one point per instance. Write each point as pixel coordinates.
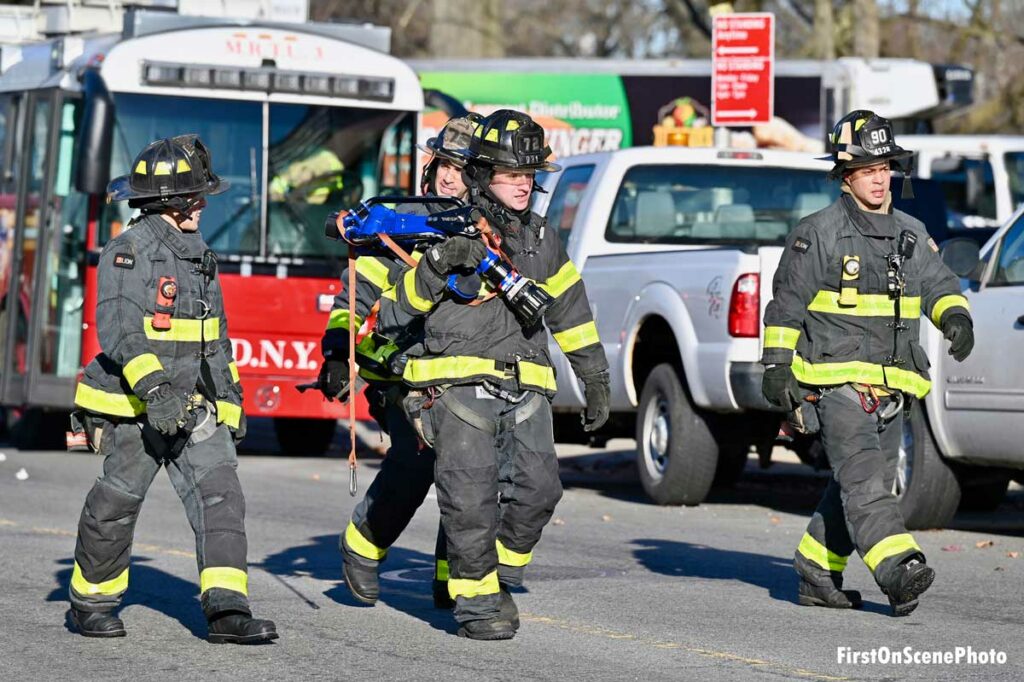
(302, 118)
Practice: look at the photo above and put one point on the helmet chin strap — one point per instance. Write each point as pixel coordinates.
(478, 180)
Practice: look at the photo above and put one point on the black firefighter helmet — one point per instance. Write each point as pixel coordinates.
(166, 174)
(863, 138)
(510, 140)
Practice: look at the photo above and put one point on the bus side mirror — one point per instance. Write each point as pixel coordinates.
(95, 136)
(962, 256)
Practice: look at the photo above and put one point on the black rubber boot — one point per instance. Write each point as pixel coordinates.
(241, 628)
(494, 628)
(829, 596)
(911, 579)
(508, 609)
(96, 623)
(362, 581)
(442, 600)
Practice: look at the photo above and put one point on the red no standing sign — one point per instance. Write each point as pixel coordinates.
(743, 69)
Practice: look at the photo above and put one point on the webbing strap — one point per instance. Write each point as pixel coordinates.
(478, 421)
(398, 250)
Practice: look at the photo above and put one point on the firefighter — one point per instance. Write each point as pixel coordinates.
(164, 392)
(843, 331)
(407, 472)
(480, 391)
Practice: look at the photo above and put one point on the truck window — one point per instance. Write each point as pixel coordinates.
(690, 204)
(566, 199)
(1010, 267)
(1015, 171)
(969, 189)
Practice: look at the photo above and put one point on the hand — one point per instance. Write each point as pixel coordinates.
(780, 387)
(959, 329)
(165, 410)
(238, 435)
(333, 378)
(457, 253)
(599, 397)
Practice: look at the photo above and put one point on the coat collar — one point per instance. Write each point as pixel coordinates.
(867, 223)
(188, 246)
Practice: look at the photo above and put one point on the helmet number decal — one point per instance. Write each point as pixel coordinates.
(529, 147)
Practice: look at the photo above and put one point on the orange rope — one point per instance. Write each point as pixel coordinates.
(352, 371)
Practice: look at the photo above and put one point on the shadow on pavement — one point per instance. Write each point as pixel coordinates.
(405, 583)
(150, 587)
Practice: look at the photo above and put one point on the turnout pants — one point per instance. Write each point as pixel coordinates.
(397, 491)
(858, 510)
(497, 487)
(203, 475)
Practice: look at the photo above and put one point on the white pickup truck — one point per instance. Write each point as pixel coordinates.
(678, 247)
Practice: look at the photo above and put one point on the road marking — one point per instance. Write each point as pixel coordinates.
(700, 651)
(5, 522)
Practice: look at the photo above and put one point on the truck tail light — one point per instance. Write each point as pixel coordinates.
(745, 306)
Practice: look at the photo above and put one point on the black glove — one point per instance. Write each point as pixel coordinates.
(238, 435)
(599, 398)
(959, 329)
(457, 253)
(333, 378)
(376, 402)
(780, 387)
(165, 410)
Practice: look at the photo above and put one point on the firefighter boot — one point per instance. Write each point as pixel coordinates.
(490, 629)
(508, 609)
(360, 575)
(96, 623)
(241, 628)
(442, 600)
(830, 596)
(909, 581)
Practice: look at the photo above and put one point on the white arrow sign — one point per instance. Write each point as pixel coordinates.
(739, 113)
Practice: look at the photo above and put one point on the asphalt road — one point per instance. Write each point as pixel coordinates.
(620, 589)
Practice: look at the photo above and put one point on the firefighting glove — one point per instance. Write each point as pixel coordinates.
(165, 410)
(599, 397)
(959, 330)
(238, 435)
(333, 378)
(780, 387)
(457, 253)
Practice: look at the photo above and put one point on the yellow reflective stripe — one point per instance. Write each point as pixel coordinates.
(373, 270)
(945, 303)
(141, 366)
(371, 376)
(894, 545)
(835, 373)
(415, 300)
(233, 368)
(781, 337)
(814, 551)
(361, 546)
(162, 168)
(225, 578)
(577, 337)
(865, 305)
(117, 404)
(229, 413)
(184, 330)
(441, 570)
(542, 376)
(390, 294)
(339, 319)
(140, 168)
(559, 283)
(509, 558)
(420, 370)
(464, 587)
(114, 586)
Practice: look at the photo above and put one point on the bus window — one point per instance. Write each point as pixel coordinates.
(61, 314)
(322, 159)
(233, 132)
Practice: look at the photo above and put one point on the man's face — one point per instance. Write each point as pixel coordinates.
(187, 222)
(870, 184)
(448, 180)
(512, 188)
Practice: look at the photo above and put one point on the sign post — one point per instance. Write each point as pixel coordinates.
(743, 69)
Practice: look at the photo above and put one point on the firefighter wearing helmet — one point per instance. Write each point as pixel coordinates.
(842, 347)
(163, 393)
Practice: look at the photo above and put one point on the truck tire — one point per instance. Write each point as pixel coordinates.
(676, 452)
(927, 488)
(304, 436)
(982, 489)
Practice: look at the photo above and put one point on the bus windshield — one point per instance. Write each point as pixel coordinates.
(318, 159)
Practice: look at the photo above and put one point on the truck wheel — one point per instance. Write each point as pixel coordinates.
(676, 452)
(304, 436)
(925, 485)
(982, 489)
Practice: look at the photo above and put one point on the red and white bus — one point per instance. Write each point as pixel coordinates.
(302, 119)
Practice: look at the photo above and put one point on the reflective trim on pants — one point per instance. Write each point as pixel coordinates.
(894, 545)
(361, 546)
(509, 558)
(112, 587)
(465, 587)
(225, 578)
(814, 551)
